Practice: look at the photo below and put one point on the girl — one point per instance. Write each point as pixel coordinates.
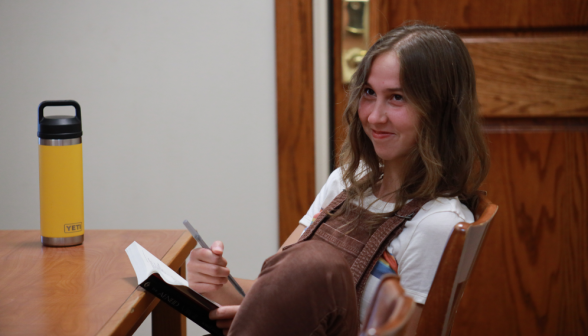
(411, 164)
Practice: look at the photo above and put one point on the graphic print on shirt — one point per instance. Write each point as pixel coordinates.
(386, 265)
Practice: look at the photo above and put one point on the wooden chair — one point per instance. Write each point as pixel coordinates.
(389, 311)
(454, 271)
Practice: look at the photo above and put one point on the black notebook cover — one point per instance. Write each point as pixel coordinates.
(189, 303)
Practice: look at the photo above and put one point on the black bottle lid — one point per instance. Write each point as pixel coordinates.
(59, 126)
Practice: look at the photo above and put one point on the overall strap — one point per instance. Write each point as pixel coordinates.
(379, 241)
(323, 215)
(337, 201)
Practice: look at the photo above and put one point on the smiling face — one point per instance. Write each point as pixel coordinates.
(387, 118)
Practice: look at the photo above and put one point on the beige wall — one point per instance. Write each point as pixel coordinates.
(178, 106)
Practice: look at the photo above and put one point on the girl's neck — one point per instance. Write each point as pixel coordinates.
(390, 183)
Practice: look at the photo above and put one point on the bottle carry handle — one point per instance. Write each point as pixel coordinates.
(60, 103)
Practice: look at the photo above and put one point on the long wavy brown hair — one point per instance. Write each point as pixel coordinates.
(451, 157)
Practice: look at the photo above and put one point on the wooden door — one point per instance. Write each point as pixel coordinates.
(531, 61)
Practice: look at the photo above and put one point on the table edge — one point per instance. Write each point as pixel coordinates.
(140, 303)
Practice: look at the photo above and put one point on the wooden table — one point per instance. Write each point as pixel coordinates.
(89, 289)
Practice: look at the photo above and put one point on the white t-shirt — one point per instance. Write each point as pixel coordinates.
(419, 246)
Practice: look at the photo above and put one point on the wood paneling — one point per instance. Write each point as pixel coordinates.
(573, 313)
(532, 273)
(295, 104)
(473, 14)
(531, 77)
(379, 21)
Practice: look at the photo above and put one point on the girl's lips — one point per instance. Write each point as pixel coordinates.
(381, 134)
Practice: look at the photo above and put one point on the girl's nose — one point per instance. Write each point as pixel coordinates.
(378, 114)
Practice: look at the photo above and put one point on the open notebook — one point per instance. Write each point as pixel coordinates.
(161, 281)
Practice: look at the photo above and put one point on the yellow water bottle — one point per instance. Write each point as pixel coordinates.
(61, 182)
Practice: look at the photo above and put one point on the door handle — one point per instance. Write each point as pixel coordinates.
(355, 36)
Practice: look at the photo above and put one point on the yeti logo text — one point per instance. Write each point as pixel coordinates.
(73, 227)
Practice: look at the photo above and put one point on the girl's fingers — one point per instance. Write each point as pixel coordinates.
(224, 313)
(206, 270)
(204, 278)
(204, 287)
(224, 324)
(207, 256)
(197, 267)
(217, 248)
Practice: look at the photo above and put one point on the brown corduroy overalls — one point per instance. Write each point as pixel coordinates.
(314, 287)
(361, 248)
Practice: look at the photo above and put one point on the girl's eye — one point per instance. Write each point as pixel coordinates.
(397, 97)
(369, 92)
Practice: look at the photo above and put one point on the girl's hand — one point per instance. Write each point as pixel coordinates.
(206, 270)
(224, 317)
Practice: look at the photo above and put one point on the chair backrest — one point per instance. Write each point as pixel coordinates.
(389, 311)
(454, 271)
